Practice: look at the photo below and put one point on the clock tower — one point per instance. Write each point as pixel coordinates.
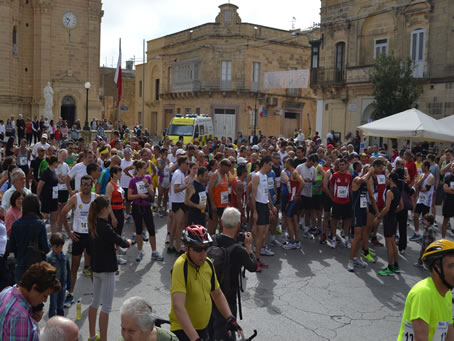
(56, 41)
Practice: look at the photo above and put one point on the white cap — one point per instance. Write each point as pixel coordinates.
(44, 136)
(242, 161)
(180, 152)
(255, 147)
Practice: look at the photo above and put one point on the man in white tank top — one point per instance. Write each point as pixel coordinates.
(425, 188)
(261, 206)
(79, 232)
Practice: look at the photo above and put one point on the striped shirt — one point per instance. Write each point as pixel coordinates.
(16, 323)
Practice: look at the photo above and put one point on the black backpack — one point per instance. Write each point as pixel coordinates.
(220, 257)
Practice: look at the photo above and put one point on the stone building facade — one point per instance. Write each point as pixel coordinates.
(354, 32)
(218, 68)
(56, 41)
(109, 95)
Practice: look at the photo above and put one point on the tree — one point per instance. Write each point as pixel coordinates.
(395, 89)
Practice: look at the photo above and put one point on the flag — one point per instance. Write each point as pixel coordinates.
(117, 79)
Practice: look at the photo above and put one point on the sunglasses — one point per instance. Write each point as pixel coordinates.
(200, 249)
(85, 184)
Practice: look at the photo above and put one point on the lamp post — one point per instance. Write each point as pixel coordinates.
(87, 86)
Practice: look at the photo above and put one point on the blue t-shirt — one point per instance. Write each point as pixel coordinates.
(104, 178)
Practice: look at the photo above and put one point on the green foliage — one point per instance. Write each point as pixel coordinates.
(395, 89)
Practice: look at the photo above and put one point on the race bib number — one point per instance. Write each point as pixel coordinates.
(278, 182)
(442, 331)
(270, 183)
(419, 171)
(141, 189)
(62, 187)
(452, 184)
(342, 192)
(23, 161)
(203, 198)
(83, 222)
(55, 192)
(381, 179)
(122, 192)
(409, 334)
(362, 201)
(224, 197)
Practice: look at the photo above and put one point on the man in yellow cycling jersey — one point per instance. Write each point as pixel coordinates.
(428, 308)
(193, 286)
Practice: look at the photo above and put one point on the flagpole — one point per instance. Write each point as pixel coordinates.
(119, 99)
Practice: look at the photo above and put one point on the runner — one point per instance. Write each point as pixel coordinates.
(425, 188)
(196, 198)
(218, 195)
(448, 204)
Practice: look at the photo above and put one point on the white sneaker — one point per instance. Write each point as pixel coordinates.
(121, 261)
(288, 245)
(358, 262)
(350, 266)
(348, 244)
(265, 251)
(332, 243)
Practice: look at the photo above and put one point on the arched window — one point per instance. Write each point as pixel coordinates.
(14, 41)
(340, 61)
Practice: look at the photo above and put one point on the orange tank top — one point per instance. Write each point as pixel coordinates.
(221, 191)
(117, 197)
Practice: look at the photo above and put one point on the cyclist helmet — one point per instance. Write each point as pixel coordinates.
(433, 255)
(196, 235)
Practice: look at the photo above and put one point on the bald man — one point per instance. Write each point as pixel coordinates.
(59, 328)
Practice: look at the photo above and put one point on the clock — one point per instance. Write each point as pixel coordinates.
(69, 20)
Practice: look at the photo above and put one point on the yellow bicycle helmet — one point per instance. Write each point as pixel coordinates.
(433, 255)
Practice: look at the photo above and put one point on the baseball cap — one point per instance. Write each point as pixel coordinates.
(330, 146)
(255, 147)
(180, 152)
(44, 136)
(242, 161)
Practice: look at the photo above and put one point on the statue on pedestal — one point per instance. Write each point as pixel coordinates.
(49, 101)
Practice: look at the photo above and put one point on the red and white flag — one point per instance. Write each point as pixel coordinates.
(117, 79)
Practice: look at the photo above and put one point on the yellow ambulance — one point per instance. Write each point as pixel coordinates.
(192, 128)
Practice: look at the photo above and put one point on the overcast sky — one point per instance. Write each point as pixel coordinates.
(135, 20)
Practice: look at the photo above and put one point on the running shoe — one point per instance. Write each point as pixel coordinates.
(371, 250)
(156, 256)
(308, 235)
(415, 236)
(297, 245)
(94, 338)
(386, 272)
(359, 263)
(348, 244)
(276, 242)
(418, 240)
(87, 271)
(350, 266)
(369, 258)
(259, 268)
(69, 300)
(261, 264)
(129, 219)
(167, 238)
(332, 242)
(323, 238)
(376, 242)
(315, 231)
(139, 256)
(265, 251)
(144, 236)
(133, 239)
(396, 269)
(121, 261)
(122, 251)
(288, 245)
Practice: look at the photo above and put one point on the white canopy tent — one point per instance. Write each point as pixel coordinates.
(411, 124)
(448, 122)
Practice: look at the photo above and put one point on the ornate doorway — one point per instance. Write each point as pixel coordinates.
(68, 110)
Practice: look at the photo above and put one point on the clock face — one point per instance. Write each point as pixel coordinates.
(69, 20)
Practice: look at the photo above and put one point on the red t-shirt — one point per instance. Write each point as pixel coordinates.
(342, 184)
(412, 171)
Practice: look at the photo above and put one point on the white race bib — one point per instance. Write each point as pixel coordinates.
(55, 192)
(122, 192)
(62, 187)
(203, 198)
(23, 161)
(83, 222)
(342, 192)
(270, 183)
(362, 201)
(409, 334)
(442, 331)
(381, 179)
(278, 182)
(141, 189)
(224, 197)
(452, 184)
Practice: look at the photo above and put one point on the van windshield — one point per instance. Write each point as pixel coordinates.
(180, 130)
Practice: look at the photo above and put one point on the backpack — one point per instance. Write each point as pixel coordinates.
(220, 257)
(33, 254)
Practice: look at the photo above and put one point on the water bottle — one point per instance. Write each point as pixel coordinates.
(79, 310)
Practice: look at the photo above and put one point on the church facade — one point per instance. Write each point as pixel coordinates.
(55, 42)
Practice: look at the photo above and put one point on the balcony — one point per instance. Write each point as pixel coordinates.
(327, 77)
(359, 74)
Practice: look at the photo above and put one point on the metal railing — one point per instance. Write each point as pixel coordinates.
(328, 76)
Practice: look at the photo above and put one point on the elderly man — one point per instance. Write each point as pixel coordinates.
(18, 184)
(43, 143)
(59, 328)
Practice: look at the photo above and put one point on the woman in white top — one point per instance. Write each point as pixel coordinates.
(62, 171)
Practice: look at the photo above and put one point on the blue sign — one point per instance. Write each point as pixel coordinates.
(265, 112)
(123, 107)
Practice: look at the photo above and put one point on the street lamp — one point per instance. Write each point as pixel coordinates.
(87, 86)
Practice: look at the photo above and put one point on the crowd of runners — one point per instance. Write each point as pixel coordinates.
(286, 190)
